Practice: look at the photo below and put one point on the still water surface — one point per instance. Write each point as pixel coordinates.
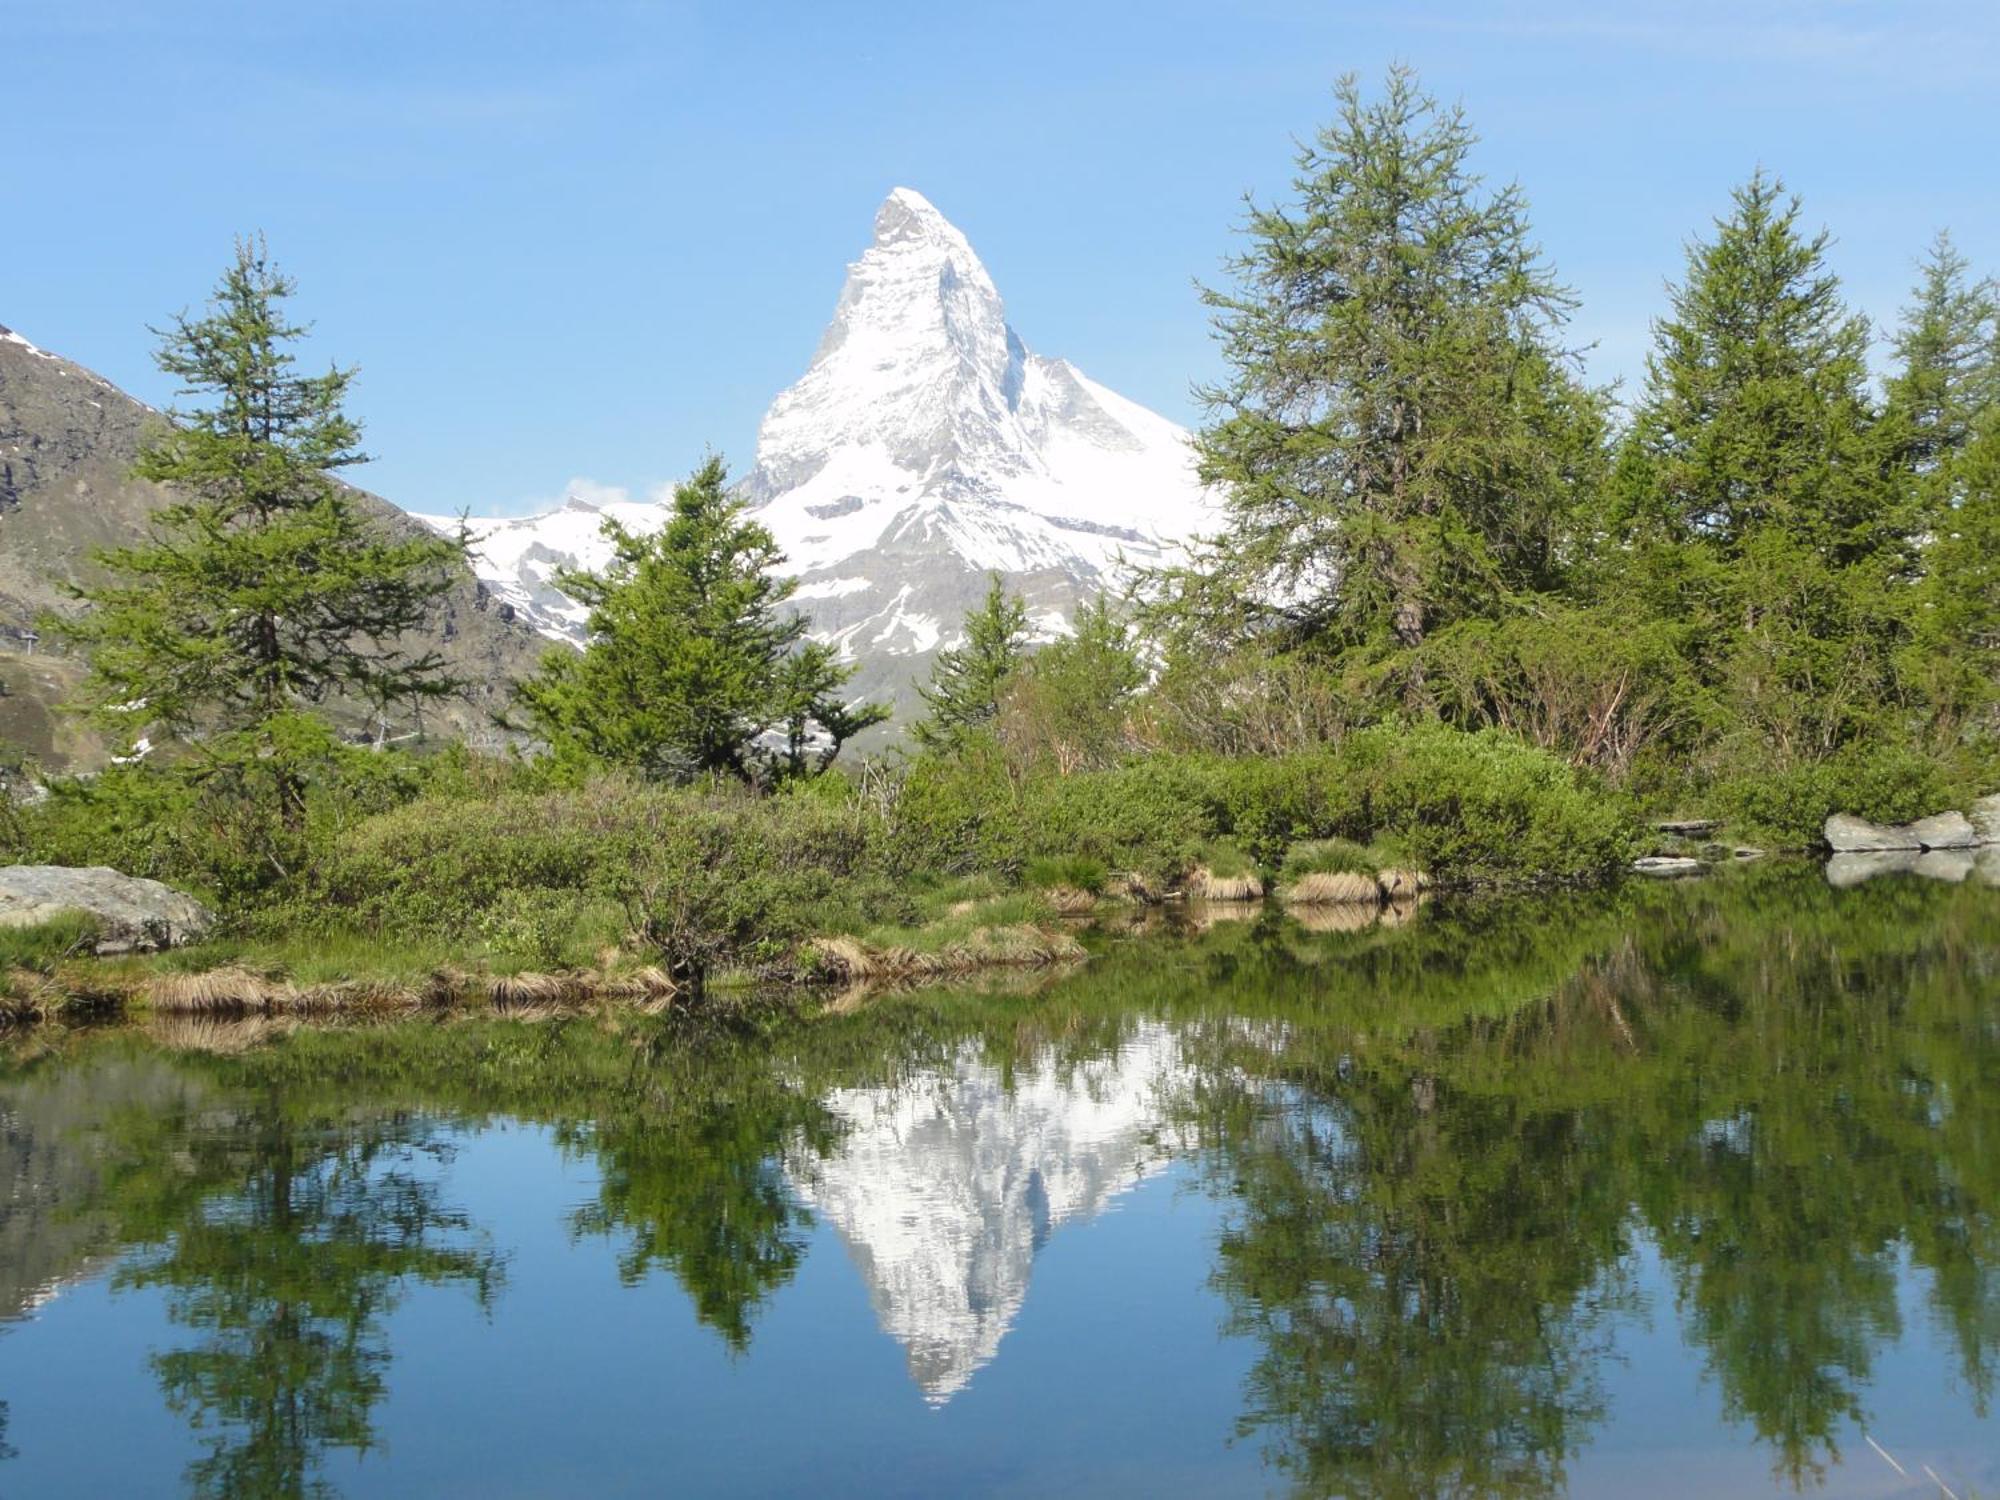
(1662, 1191)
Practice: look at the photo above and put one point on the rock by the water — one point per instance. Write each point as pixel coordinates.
(1689, 828)
(1949, 830)
(1846, 834)
(1850, 835)
(1984, 815)
(1666, 865)
(133, 912)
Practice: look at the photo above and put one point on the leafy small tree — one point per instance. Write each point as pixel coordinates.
(692, 657)
(265, 591)
(1398, 438)
(1069, 705)
(963, 694)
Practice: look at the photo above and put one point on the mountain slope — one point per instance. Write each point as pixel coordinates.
(924, 446)
(68, 439)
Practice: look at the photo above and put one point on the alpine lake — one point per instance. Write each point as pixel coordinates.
(1669, 1189)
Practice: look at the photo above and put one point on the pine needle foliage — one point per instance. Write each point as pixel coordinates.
(1399, 439)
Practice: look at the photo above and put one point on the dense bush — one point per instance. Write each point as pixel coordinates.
(1883, 783)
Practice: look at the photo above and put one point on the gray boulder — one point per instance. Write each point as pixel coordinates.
(1666, 866)
(133, 912)
(1950, 830)
(1984, 815)
(1850, 835)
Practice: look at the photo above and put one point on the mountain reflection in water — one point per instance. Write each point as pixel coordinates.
(944, 1189)
(1626, 1193)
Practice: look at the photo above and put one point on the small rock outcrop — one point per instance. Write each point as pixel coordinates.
(133, 913)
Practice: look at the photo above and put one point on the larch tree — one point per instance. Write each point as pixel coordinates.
(1399, 439)
(265, 590)
(1752, 495)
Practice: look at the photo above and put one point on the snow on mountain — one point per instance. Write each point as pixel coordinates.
(945, 1189)
(924, 446)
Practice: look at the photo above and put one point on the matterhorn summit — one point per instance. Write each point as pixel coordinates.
(924, 447)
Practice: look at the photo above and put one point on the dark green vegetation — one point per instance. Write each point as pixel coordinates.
(1760, 589)
(1438, 1151)
(1464, 610)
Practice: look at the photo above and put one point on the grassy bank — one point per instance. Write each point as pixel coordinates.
(412, 882)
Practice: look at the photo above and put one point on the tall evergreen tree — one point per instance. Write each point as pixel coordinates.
(264, 590)
(1754, 414)
(692, 657)
(1398, 439)
(1752, 492)
(963, 694)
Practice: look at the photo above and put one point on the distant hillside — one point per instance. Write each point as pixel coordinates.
(68, 439)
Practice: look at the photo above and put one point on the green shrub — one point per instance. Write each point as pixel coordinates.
(1884, 783)
(1142, 818)
(1483, 805)
(955, 814)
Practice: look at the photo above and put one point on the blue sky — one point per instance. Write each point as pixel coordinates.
(591, 238)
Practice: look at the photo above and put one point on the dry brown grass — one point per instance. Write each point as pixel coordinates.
(1068, 901)
(1400, 884)
(226, 990)
(1206, 885)
(1341, 888)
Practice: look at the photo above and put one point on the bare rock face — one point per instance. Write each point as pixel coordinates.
(134, 913)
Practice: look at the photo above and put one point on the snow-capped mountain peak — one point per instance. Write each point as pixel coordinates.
(924, 447)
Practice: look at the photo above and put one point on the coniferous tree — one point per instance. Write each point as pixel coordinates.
(1752, 495)
(1949, 366)
(1398, 439)
(691, 656)
(963, 694)
(264, 590)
